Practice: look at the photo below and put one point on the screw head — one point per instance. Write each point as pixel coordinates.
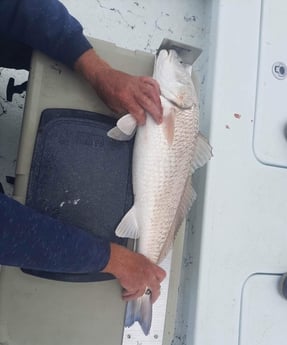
(279, 70)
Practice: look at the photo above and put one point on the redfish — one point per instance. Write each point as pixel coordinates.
(164, 159)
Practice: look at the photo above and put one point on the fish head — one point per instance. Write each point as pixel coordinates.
(174, 78)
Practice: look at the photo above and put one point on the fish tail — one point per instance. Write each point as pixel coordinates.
(139, 310)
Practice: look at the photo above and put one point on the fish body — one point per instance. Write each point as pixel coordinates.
(164, 159)
(161, 171)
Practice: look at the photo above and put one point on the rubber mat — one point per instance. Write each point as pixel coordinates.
(80, 176)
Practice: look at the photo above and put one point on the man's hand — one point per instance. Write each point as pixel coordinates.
(135, 273)
(121, 92)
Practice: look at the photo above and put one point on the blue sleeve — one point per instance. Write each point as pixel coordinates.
(45, 25)
(34, 241)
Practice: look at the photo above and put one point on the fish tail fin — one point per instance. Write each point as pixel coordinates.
(139, 310)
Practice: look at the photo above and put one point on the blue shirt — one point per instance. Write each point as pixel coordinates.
(45, 25)
(28, 239)
(32, 240)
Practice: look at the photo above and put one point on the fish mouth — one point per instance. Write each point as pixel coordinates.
(174, 78)
(174, 58)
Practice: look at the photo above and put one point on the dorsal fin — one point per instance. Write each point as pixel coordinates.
(186, 201)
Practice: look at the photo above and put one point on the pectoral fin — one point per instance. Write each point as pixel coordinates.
(125, 129)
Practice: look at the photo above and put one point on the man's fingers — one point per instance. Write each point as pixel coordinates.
(130, 94)
(135, 273)
(141, 98)
(139, 104)
(122, 92)
(152, 90)
(149, 286)
(152, 82)
(150, 100)
(160, 274)
(154, 294)
(155, 289)
(131, 295)
(149, 105)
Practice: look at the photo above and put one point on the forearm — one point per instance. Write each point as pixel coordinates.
(34, 241)
(90, 65)
(43, 25)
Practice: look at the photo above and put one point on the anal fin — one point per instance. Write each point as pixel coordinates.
(128, 226)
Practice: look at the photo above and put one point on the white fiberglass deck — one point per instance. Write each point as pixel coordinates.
(239, 242)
